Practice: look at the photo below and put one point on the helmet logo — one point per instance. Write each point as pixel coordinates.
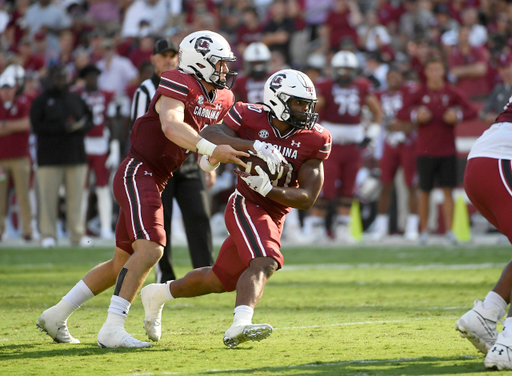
(203, 45)
(277, 81)
(263, 134)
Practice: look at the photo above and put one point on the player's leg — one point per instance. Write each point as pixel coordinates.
(53, 321)
(49, 180)
(448, 181)
(193, 201)
(426, 168)
(388, 166)
(21, 177)
(408, 163)
(488, 192)
(103, 192)
(74, 181)
(136, 192)
(163, 269)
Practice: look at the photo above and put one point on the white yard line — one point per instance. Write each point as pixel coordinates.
(486, 265)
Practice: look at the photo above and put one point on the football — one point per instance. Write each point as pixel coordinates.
(253, 161)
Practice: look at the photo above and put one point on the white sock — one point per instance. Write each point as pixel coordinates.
(381, 222)
(243, 315)
(413, 221)
(343, 220)
(113, 319)
(64, 309)
(507, 329)
(119, 306)
(494, 300)
(78, 295)
(163, 292)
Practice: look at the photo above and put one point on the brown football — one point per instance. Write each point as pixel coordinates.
(253, 161)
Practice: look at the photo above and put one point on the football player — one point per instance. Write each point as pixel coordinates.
(341, 100)
(399, 151)
(256, 210)
(101, 157)
(488, 184)
(187, 99)
(249, 88)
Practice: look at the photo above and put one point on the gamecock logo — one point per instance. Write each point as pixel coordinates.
(203, 45)
(277, 81)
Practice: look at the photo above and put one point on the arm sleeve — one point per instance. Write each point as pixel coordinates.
(467, 108)
(409, 101)
(173, 86)
(234, 117)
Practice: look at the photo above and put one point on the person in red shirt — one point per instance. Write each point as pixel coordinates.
(14, 151)
(17, 27)
(250, 31)
(143, 52)
(30, 61)
(185, 102)
(468, 65)
(435, 109)
(256, 211)
(341, 22)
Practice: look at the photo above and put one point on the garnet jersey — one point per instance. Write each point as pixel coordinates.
(393, 101)
(252, 122)
(436, 138)
(149, 143)
(343, 103)
(249, 90)
(102, 106)
(14, 145)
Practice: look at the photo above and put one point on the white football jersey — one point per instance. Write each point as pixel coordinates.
(495, 142)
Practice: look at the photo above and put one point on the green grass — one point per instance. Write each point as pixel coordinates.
(350, 311)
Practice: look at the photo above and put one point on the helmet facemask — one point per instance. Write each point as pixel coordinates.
(215, 78)
(258, 69)
(344, 75)
(298, 119)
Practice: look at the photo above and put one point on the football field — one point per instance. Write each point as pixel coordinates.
(335, 311)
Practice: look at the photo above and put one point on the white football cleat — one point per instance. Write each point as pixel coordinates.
(153, 306)
(113, 337)
(500, 355)
(56, 328)
(479, 326)
(236, 335)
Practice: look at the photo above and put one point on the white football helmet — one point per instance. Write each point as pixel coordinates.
(199, 54)
(344, 67)
(285, 85)
(257, 60)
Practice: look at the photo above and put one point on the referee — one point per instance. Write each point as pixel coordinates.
(187, 184)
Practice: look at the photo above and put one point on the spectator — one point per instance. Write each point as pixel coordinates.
(315, 15)
(66, 47)
(17, 27)
(60, 119)
(80, 28)
(500, 94)
(414, 23)
(116, 71)
(104, 14)
(187, 184)
(14, 152)
(436, 108)
(30, 61)
(101, 157)
(45, 17)
(249, 87)
(146, 71)
(477, 33)
(143, 51)
(277, 32)
(468, 66)
(374, 35)
(153, 12)
(341, 22)
(250, 30)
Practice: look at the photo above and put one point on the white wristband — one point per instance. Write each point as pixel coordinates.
(205, 164)
(205, 147)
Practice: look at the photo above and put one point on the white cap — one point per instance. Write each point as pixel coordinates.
(7, 80)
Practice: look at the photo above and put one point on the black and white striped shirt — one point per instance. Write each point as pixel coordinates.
(142, 98)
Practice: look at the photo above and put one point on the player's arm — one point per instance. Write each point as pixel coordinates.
(311, 179)
(172, 116)
(223, 134)
(12, 126)
(374, 105)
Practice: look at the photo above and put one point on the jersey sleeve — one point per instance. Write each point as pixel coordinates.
(325, 142)
(173, 85)
(234, 117)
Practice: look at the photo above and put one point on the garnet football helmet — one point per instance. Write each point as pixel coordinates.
(199, 54)
(257, 60)
(285, 85)
(344, 67)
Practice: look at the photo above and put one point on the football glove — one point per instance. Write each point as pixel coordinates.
(270, 155)
(259, 183)
(114, 155)
(395, 138)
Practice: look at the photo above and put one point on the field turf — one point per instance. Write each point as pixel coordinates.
(336, 311)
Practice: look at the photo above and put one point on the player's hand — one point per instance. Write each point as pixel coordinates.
(270, 155)
(260, 183)
(423, 115)
(395, 138)
(114, 155)
(226, 154)
(450, 116)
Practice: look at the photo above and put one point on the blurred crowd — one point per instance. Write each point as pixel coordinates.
(47, 43)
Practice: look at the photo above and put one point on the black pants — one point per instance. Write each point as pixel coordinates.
(188, 187)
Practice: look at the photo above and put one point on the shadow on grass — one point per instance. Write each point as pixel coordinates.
(415, 366)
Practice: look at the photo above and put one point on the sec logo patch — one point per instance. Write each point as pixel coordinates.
(263, 134)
